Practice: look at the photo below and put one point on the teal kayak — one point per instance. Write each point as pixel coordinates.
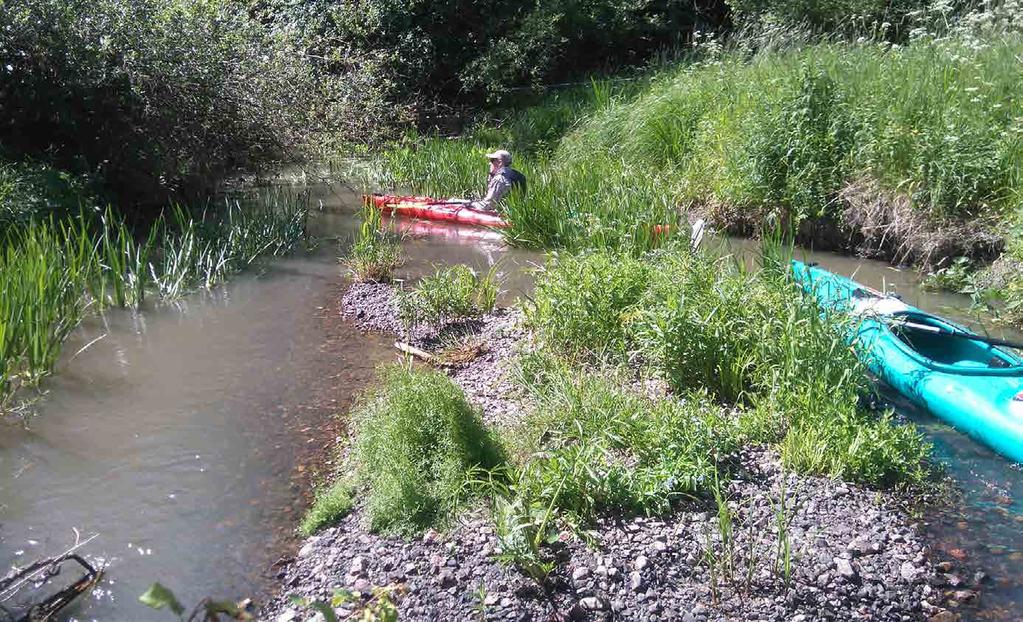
(974, 386)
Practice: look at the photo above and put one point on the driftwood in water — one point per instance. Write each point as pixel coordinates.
(41, 571)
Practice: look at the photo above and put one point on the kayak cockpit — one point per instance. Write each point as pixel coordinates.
(949, 346)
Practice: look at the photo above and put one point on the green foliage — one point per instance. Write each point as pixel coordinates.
(373, 256)
(748, 337)
(379, 607)
(450, 294)
(453, 51)
(30, 190)
(153, 96)
(582, 303)
(159, 597)
(416, 440)
(595, 446)
(955, 277)
(331, 505)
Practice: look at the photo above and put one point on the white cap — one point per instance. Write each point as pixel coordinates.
(501, 155)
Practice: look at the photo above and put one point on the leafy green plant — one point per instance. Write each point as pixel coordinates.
(416, 439)
(373, 256)
(208, 610)
(379, 608)
(450, 294)
(330, 505)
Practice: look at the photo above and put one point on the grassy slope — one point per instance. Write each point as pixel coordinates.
(910, 153)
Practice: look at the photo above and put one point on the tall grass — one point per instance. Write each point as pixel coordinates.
(450, 294)
(749, 337)
(780, 135)
(374, 256)
(52, 272)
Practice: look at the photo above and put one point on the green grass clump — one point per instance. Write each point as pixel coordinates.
(450, 294)
(582, 303)
(595, 446)
(373, 256)
(416, 438)
(331, 505)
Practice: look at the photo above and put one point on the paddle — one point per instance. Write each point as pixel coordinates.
(961, 335)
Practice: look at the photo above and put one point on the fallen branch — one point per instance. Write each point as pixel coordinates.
(420, 354)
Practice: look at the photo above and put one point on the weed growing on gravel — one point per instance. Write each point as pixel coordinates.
(373, 256)
(416, 438)
(453, 293)
(331, 505)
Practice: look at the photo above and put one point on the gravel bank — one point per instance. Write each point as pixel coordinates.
(856, 554)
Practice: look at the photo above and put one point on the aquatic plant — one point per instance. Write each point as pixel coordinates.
(52, 272)
(452, 293)
(373, 256)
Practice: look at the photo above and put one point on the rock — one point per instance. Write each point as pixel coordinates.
(580, 574)
(964, 595)
(636, 583)
(491, 599)
(358, 566)
(658, 546)
(910, 572)
(943, 616)
(641, 562)
(306, 549)
(446, 580)
(845, 569)
(593, 603)
(362, 586)
(945, 566)
(288, 615)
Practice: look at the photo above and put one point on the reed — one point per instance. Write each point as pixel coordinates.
(51, 272)
(374, 256)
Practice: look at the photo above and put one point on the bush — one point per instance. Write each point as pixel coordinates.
(32, 190)
(156, 97)
(416, 438)
(450, 294)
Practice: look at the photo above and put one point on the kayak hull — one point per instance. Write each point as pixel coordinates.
(976, 399)
(427, 208)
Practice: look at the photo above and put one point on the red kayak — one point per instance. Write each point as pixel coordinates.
(450, 210)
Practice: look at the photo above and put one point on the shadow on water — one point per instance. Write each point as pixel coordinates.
(186, 436)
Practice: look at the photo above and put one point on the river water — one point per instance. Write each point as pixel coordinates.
(186, 437)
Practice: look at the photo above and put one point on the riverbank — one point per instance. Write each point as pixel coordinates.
(856, 554)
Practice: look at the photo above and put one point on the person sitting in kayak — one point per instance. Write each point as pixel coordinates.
(503, 179)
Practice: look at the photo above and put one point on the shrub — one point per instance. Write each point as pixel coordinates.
(416, 438)
(450, 294)
(156, 97)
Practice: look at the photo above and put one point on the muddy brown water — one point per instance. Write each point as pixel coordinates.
(187, 436)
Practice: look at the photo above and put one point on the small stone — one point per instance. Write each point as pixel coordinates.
(306, 549)
(446, 580)
(288, 615)
(593, 603)
(641, 562)
(845, 569)
(491, 599)
(580, 574)
(945, 566)
(910, 572)
(358, 566)
(943, 616)
(636, 583)
(657, 546)
(964, 595)
(362, 586)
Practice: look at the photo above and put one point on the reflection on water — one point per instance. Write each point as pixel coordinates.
(181, 436)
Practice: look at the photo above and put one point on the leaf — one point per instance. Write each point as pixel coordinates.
(158, 597)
